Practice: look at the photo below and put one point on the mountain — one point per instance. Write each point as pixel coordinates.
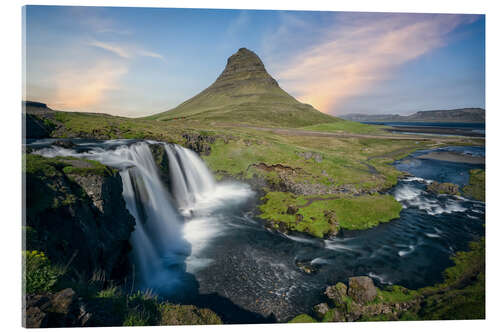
(466, 115)
(246, 93)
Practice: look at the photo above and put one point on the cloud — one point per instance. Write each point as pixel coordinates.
(359, 50)
(116, 49)
(125, 51)
(84, 88)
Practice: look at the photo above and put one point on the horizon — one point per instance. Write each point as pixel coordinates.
(137, 62)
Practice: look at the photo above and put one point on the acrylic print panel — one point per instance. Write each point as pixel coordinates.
(251, 166)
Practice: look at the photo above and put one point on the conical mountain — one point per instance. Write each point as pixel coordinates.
(245, 93)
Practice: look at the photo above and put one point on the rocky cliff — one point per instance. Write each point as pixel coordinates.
(76, 215)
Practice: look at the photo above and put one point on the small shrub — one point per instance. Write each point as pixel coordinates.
(143, 310)
(38, 273)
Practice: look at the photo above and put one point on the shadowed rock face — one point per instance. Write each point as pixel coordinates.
(243, 67)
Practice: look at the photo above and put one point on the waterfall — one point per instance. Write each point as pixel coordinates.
(191, 179)
(157, 242)
(172, 229)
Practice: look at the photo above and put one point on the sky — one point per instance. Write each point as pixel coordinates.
(139, 61)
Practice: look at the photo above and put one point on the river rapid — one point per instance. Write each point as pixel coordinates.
(200, 242)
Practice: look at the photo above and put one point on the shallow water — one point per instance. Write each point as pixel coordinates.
(238, 267)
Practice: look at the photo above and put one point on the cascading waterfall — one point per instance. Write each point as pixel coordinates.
(171, 228)
(158, 245)
(191, 179)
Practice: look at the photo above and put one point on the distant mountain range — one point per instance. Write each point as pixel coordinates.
(245, 93)
(466, 115)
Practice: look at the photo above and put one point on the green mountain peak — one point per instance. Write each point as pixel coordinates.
(245, 93)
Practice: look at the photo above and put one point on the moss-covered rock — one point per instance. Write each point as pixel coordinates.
(76, 215)
(174, 314)
(337, 293)
(443, 188)
(161, 160)
(361, 289)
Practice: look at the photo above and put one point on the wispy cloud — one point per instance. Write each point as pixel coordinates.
(358, 51)
(125, 51)
(113, 48)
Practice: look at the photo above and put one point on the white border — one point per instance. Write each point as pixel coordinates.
(11, 155)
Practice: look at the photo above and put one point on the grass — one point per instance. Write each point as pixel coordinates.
(354, 212)
(395, 294)
(303, 318)
(90, 168)
(346, 126)
(476, 187)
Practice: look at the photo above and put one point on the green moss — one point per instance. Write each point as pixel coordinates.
(41, 166)
(352, 212)
(303, 318)
(476, 187)
(175, 314)
(92, 168)
(396, 294)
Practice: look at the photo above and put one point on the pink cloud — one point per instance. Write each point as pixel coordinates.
(359, 51)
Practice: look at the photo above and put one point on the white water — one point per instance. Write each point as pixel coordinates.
(199, 198)
(170, 232)
(410, 196)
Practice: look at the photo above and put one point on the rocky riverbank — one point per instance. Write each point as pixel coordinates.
(460, 296)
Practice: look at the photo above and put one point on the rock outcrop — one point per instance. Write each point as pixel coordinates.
(161, 159)
(78, 215)
(51, 310)
(361, 301)
(443, 188)
(199, 143)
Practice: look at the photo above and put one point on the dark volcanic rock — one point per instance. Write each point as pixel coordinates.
(58, 309)
(161, 159)
(199, 143)
(80, 219)
(34, 128)
(64, 143)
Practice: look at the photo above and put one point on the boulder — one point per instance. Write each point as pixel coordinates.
(361, 289)
(58, 309)
(320, 310)
(64, 144)
(331, 217)
(337, 293)
(443, 188)
(292, 210)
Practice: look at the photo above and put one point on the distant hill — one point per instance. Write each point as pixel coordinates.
(246, 93)
(466, 115)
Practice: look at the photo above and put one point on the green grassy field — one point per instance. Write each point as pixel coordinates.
(476, 187)
(291, 164)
